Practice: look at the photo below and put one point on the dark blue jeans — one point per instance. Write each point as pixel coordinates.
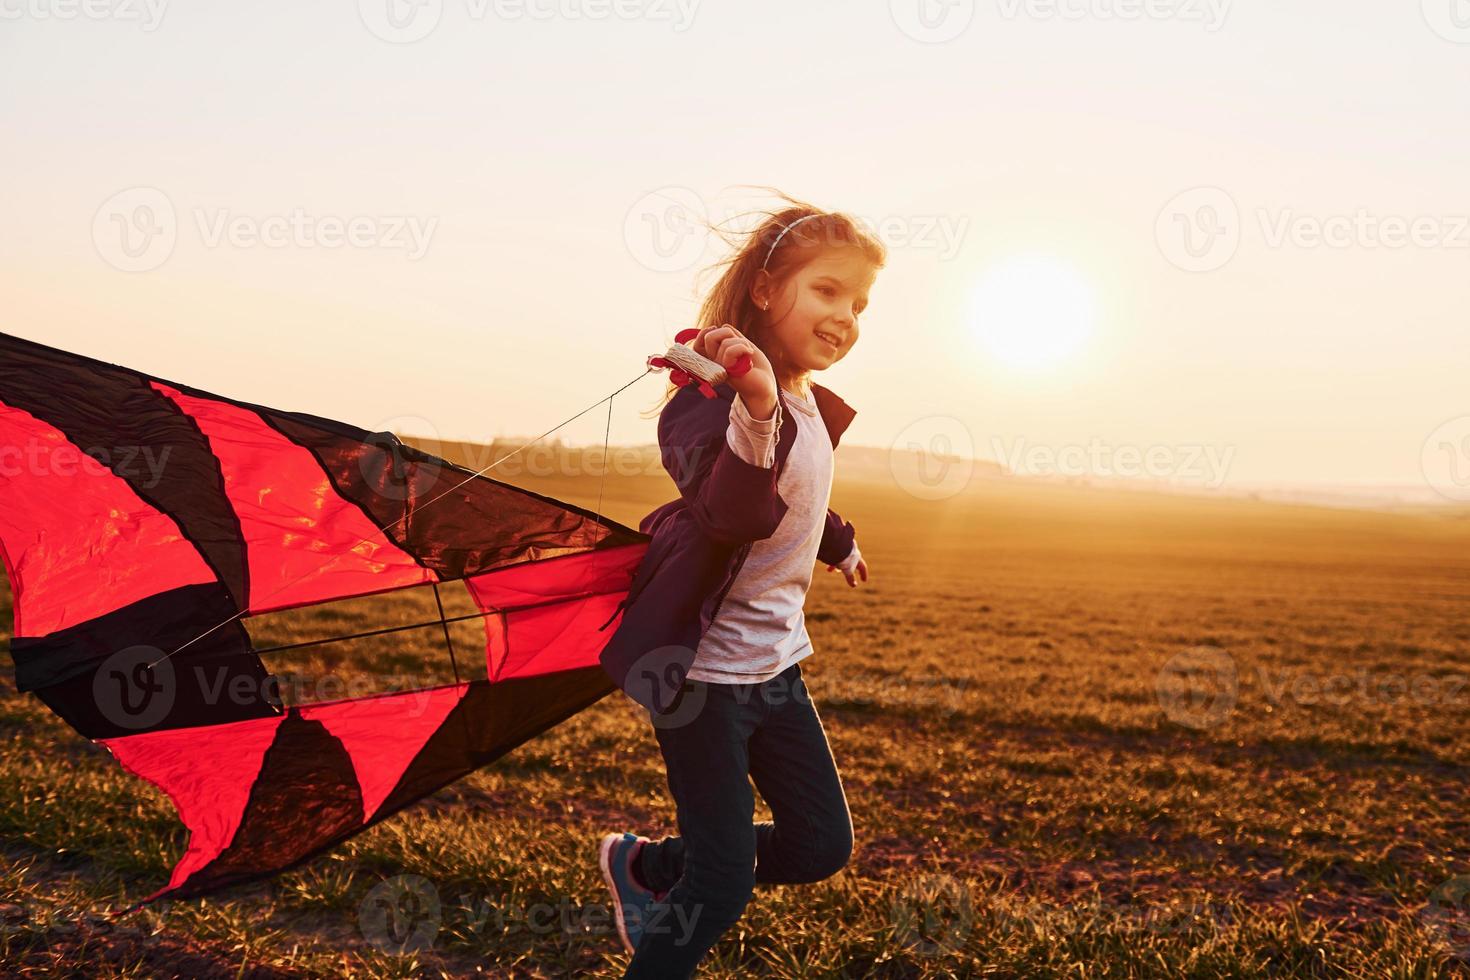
(716, 738)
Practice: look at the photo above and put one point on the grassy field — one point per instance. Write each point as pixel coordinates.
(1082, 733)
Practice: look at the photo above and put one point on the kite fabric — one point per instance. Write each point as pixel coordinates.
(144, 522)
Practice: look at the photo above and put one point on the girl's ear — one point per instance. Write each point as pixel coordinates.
(760, 289)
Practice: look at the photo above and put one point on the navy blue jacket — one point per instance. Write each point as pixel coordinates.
(701, 539)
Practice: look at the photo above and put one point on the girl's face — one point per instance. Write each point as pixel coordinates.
(813, 317)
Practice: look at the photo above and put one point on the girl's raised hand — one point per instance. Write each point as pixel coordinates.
(757, 387)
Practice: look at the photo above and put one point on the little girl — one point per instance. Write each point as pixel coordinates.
(713, 630)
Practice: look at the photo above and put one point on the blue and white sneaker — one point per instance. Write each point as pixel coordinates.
(630, 899)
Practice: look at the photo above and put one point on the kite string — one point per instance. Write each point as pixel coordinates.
(606, 436)
(473, 476)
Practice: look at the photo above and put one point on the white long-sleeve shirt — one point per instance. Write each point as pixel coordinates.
(760, 628)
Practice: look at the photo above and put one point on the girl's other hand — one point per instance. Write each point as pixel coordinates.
(861, 569)
(757, 387)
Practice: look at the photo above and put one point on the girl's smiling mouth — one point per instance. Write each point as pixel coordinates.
(828, 338)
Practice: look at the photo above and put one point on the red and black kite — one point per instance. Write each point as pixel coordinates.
(134, 586)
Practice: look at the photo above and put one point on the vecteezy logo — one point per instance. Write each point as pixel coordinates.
(1198, 687)
(401, 914)
(932, 21)
(390, 466)
(933, 915)
(1448, 913)
(1199, 230)
(400, 21)
(1450, 19)
(132, 694)
(135, 230)
(661, 676)
(933, 458)
(665, 230)
(1445, 459)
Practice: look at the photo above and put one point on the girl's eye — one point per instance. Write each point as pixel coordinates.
(826, 290)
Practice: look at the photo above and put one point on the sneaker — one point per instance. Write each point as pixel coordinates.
(630, 899)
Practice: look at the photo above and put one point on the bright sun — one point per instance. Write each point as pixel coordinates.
(1032, 311)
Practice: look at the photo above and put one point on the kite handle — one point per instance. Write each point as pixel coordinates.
(687, 367)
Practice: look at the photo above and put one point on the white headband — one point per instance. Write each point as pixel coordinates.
(782, 235)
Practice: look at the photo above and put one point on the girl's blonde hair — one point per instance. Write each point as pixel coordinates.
(728, 300)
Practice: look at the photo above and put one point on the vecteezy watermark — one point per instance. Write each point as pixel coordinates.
(544, 460)
(932, 21)
(406, 914)
(1445, 459)
(1209, 13)
(507, 459)
(942, 234)
(1363, 229)
(568, 917)
(670, 228)
(1200, 230)
(659, 681)
(298, 229)
(44, 919)
(1198, 687)
(407, 21)
(136, 688)
(676, 704)
(932, 458)
(141, 466)
(933, 915)
(401, 914)
(1362, 687)
(136, 230)
(1450, 19)
(1447, 913)
(1097, 914)
(400, 21)
(391, 469)
(938, 21)
(1187, 464)
(667, 229)
(936, 695)
(147, 14)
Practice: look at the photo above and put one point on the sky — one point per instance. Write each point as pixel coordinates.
(1191, 228)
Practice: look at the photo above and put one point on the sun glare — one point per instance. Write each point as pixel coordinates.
(1032, 312)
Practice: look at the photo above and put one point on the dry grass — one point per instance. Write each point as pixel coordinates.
(1026, 803)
